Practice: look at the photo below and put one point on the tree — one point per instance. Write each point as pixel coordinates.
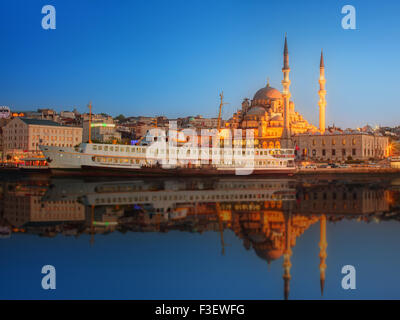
(120, 118)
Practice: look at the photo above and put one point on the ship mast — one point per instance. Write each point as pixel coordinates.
(90, 121)
(221, 96)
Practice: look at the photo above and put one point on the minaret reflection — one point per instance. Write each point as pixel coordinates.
(221, 227)
(92, 232)
(322, 253)
(286, 256)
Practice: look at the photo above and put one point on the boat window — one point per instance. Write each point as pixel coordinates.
(94, 147)
(100, 148)
(105, 148)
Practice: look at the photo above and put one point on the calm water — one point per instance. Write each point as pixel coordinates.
(199, 238)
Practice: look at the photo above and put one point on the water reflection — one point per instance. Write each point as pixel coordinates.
(268, 215)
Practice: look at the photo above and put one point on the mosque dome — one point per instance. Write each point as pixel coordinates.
(278, 117)
(256, 111)
(267, 93)
(269, 255)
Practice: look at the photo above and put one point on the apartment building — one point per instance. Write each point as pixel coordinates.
(22, 137)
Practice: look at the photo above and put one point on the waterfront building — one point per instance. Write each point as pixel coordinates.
(102, 129)
(341, 146)
(3, 122)
(22, 137)
(141, 128)
(49, 114)
(199, 122)
(68, 114)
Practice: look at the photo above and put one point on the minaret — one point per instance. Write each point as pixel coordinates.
(286, 257)
(322, 93)
(322, 252)
(286, 142)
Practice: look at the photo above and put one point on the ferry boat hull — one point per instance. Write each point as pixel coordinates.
(84, 161)
(186, 171)
(148, 172)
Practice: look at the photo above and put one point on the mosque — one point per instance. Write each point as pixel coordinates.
(276, 124)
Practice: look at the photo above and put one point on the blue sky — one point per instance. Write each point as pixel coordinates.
(173, 57)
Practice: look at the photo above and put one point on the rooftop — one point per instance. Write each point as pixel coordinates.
(40, 122)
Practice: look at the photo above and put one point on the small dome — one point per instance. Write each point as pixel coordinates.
(256, 111)
(278, 117)
(267, 93)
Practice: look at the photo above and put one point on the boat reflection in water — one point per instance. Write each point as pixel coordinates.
(267, 214)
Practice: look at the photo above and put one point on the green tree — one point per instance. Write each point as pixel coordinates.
(120, 118)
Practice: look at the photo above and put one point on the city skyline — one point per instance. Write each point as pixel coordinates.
(155, 59)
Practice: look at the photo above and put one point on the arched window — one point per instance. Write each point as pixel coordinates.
(265, 145)
(271, 145)
(277, 145)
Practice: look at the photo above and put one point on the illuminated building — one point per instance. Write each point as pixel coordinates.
(103, 129)
(22, 137)
(271, 114)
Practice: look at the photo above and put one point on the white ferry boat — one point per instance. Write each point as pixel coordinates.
(113, 159)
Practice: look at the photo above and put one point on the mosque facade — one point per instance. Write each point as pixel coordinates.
(276, 124)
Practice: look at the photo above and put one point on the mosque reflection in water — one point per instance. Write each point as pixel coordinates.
(267, 214)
